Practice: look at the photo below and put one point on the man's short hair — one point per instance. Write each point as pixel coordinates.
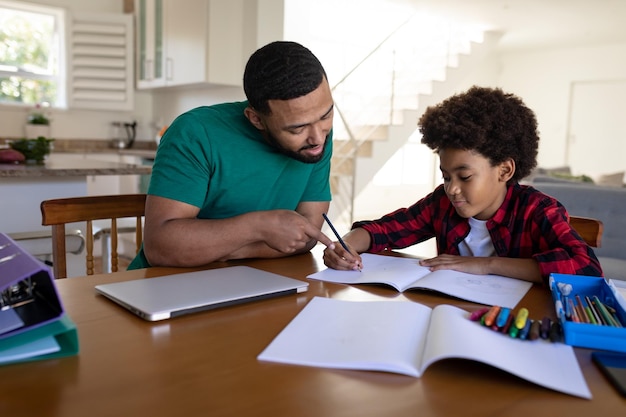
(280, 70)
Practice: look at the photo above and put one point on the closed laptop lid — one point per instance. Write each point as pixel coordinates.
(173, 295)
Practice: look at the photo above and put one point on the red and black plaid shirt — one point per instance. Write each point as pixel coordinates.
(528, 224)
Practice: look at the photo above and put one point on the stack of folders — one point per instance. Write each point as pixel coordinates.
(33, 324)
(592, 311)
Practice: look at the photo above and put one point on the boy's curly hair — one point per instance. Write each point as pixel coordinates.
(495, 124)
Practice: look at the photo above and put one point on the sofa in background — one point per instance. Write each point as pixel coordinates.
(606, 203)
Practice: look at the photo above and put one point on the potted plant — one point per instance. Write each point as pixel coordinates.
(37, 124)
(34, 150)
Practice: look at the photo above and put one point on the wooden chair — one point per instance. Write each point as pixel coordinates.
(58, 212)
(589, 229)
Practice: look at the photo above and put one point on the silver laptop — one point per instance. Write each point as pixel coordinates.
(169, 296)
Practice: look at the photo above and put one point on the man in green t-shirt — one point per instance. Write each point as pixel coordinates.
(246, 179)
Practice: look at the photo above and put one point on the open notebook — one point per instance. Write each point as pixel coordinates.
(169, 296)
(407, 337)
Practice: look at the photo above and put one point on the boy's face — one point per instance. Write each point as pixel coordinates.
(473, 185)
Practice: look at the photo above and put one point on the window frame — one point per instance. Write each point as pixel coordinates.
(59, 44)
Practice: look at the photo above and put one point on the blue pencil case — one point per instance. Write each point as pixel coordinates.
(583, 334)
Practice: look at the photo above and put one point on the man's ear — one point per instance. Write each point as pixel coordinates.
(507, 170)
(254, 118)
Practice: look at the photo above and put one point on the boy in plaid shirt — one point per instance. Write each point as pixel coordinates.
(483, 220)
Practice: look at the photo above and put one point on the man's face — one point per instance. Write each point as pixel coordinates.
(299, 127)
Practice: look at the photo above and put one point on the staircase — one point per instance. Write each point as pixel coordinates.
(378, 103)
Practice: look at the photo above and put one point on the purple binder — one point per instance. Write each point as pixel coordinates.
(28, 296)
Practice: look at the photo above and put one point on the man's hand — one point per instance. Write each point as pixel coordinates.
(287, 231)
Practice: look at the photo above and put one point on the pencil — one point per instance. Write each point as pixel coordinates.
(613, 314)
(582, 313)
(604, 312)
(574, 311)
(595, 311)
(335, 232)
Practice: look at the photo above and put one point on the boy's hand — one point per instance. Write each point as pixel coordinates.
(468, 264)
(336, 257)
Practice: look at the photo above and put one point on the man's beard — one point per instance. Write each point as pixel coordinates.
(271, 140)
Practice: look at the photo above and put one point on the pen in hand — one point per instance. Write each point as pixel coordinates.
(335, 232)
(343, 244)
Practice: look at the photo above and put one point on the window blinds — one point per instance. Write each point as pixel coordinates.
(100, 63)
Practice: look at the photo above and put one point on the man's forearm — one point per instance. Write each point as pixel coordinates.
(194, 242)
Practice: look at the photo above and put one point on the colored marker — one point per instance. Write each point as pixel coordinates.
(522, 318)
(490, 316)
(544, 331)
(523, 333)
(568, 308)
(558, 307)
(555, 332)
(503, 317)
(478, 314)
(509, 323)
(535, 327)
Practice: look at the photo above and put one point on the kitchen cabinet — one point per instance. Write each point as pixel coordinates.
(171, 42)
(193, 42)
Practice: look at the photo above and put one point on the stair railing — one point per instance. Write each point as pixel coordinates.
(378, 83)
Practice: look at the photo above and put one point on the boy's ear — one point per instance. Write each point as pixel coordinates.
(507, 170)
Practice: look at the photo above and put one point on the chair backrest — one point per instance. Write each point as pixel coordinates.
(589, 229)
(58, 212)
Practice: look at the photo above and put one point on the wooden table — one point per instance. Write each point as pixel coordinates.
(205, 364)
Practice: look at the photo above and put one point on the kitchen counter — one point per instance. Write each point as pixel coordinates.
(75, 167)
(64, 174)
(142, 153)
(142, 149)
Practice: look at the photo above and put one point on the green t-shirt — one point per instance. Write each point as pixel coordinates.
(215, 159)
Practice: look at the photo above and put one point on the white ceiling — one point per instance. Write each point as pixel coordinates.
(539, 23)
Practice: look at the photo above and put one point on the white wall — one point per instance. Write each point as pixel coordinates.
(543, 78)
(169, 103)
